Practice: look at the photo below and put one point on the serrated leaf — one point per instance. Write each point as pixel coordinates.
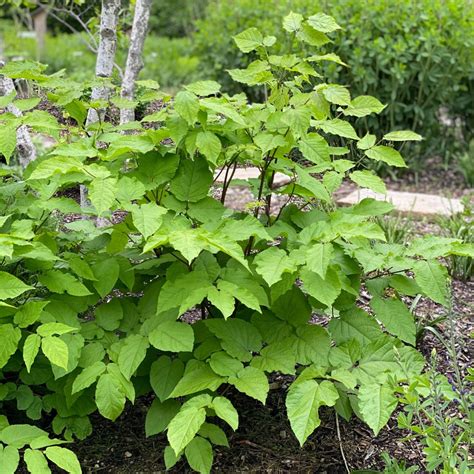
(396, 318)
(376, 403)
(19, 435)
(368, 141)
(303, 402)
(325, 289)
(368, 179)
(226, 411)
(7, 141)
(292, 22)
(272, 263)
(173, 337)
(214, 434)
(355, 324)
(338, 127)
(63, 458)
(11, 286)
(31, 349)
(386, 154)
(204, 88)
(251, 381)
(267, 141)
(131, 354)
(184, 426)
(109, 397)
(209, 145)
(432, 278)
(147, 218)
(364, 105)
(402, 136)
(336, 94)
(159, 416)
(248, 40)
(56, 350)
(199, 455)
(314, 148)
(323, 23)
(318, 257)
(165, 373)
(199, 379)
(88, 376)
(225, 365)
(9, 339)
(187, 106)
(192, 181)
(106, 273)
(102, 193)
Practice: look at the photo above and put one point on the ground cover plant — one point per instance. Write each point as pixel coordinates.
(158, 288)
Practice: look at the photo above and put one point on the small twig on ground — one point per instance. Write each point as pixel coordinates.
(338, 431)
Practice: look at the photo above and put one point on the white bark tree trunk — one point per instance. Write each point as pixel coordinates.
(104, 66)
(25, 147)
(135, 54)
(106, 52)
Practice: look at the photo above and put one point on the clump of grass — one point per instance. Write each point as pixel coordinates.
(397, 229)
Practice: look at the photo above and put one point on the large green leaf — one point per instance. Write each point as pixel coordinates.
(432, 278)
(9, 339)
(165, 373)
(325, 289)
(159, 416)
(56, 350)
(402, 135)
(173, 337)
(368, 179)
(192, 181)
(184, 426)
(20, 435)
(109, 397)
(314, 148)
(36, 462)
(102, 193)
(272, 263)
(147, 218)
(323, 23)
(339, 127)
(187, 106)
(354, 324)
(251, 381)
(31, 349)
(7, 141)
(248, 40)
(226, 411)
(376, 403)
(386, 154)
(9, 459)
(292, 22)
(63, 458)
(303, 402)
(11, 286)
(396, 318)
(199, 455)
(209, 145)
(197, 379)
(88, 376)
(318, 257)
(132, 354)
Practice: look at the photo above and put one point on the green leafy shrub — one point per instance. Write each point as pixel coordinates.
(96, 316)
(415, 57)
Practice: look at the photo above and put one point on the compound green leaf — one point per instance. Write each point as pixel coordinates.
(368, 179)
(323, 23)
(432, 278)
(31, 349)
(226, 411)
(88, 376)
(402, 135)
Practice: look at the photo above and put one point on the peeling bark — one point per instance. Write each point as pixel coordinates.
(105, 53)
(25, 147)
(134, 58)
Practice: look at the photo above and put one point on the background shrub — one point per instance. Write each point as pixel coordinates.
(414, 56)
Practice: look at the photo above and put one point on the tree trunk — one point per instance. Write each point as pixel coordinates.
(25, 147)
(135, 53)
(105, 54)
(104, 65)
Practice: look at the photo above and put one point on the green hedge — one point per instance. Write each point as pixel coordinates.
(416, 56)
